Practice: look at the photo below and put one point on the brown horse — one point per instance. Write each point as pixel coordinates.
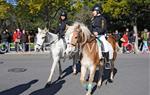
(79, 34)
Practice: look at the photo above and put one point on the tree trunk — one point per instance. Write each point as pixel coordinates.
(136, 39)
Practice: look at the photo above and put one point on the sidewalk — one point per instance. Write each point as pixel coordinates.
(25, 53)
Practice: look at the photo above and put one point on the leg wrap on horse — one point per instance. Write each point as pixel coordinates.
(90, 87)
(85, 85)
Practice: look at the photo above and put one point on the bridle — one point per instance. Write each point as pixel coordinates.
(74, 44)
(52, 42)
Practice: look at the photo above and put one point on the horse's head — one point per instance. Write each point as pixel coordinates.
(72, 38)
(40, 38)
(75, 35)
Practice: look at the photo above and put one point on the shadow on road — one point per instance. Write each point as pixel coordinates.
(18, 89)
(69, 70)
(52, 90)
(105, 78)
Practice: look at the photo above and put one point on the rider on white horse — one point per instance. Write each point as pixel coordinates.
(99, 29)
(62, 25)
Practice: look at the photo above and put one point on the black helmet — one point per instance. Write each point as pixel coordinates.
(63, 14)
(96, 8)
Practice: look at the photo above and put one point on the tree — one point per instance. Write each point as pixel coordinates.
(129, 11)
(4, 7)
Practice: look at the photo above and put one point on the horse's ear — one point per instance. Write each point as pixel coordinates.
(78, 28)
(39, 30)
(46, 30)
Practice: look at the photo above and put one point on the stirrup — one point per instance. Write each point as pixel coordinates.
(108, 65)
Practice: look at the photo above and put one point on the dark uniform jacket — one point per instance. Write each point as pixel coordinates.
(61, 28)
(24, 38)
(99, 25)
(5, 37)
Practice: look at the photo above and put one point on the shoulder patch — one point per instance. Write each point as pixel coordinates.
(103, 23)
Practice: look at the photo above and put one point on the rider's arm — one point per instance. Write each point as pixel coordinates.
(95, 26)
(62, 28)
(103, 25)
(100, 26)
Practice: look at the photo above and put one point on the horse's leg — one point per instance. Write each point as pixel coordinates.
(60, 69)
(83, 73)
(91, 78)
(112, 71)
(112, 66)
(56, 59)
(101, 68)
(74, 65)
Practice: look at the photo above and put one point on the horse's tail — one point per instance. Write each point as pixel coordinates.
(112, 40)
(112, 37)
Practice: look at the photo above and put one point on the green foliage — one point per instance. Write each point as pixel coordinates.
(30, 14)
(116, 8)
(4, 7)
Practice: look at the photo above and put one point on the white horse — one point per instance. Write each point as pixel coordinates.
(57, 47)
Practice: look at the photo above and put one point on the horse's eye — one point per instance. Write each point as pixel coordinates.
(76, 37)
(43, 37)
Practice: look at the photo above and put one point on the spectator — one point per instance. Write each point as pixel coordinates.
(24, 39)
(5, 38)
(132, 38)
(16, 39)
(145, 39)
(31, 37)
(117, 36)
(140, 41)
(125, 41)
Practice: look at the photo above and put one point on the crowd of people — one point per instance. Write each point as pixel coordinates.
(129, 37)
(19, 38)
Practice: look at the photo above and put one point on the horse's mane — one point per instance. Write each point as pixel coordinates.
(84, 29)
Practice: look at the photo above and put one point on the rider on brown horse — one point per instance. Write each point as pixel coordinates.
(99, 29)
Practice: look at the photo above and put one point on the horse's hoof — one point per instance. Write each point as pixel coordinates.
(88, 93)
(59, 77)
(74, 73)
(106, 82)
(99, 86)
(48, 85)
(110, 80)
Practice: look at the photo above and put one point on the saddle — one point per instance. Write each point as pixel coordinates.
(100, 44)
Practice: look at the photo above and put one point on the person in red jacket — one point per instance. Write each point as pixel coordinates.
(16, 39)
(125, 40)
(14, 36)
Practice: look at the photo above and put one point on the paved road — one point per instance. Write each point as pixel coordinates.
(132, 77)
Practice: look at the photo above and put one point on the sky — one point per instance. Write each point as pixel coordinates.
(13, 2)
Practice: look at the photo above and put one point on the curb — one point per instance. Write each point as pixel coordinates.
(25, 53)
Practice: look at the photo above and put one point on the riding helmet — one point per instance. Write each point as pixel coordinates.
(97, 8)
(63, 14)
